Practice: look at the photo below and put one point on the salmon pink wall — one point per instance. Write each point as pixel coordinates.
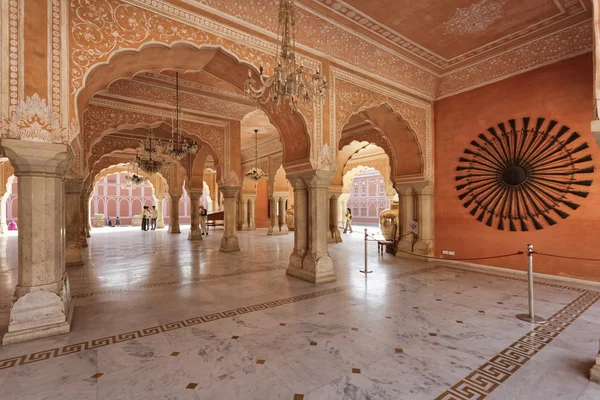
(561, 91)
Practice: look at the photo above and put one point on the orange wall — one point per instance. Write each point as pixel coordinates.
(560, 91)
(261, 205)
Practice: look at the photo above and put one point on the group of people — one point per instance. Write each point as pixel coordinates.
(149, 218)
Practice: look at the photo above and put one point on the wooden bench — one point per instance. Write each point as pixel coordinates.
(216, 218)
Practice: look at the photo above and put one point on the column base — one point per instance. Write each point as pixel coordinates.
(312, 270)
(334, 236)
(3, 228)
(195, 235)
(423, 247)
(160, 224)
(40, 314)
(74, 258)
(595, 372)
(84, 242)
(174, 229)
(230, 244)
(270, 231)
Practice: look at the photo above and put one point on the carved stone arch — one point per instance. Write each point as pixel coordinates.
(104, 143)
(188, 56)
(392, 132)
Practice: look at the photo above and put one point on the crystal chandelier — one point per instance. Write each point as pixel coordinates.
(289, 81)
(256, 174)
(133, 180)
(150, 161)
(178, 148)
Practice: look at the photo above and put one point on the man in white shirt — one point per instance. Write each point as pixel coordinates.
(203, 220)
(153, 218)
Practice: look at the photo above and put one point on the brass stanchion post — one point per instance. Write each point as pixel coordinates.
(366, 270)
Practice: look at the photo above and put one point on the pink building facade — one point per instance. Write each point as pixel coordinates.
(367, 197)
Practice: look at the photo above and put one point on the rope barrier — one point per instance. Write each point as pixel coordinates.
(518, 253)
(566, 257)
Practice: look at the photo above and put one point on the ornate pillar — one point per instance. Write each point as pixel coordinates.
(229, 241)
(334, 232)
(243, 222)
(342, 205)
(424, 243)
(310, 260)
(195, 232)
(73, 222)
(595, 372)
(3, 224)
(251, 210)
(174, 221)
(160, 222)
(273, 215)
(42, 302)
(407, 214)
(84, 220)
(281, 219)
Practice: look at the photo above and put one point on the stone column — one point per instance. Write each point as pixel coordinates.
(229, 241)
(42, 301)
(310, 260)
(174, 217)
(195, 232)
(84, 220)
(595, 372)
(407, 214)
(243, 223)
(73, 222)
(334, 231)
(273, 215)
(424, 243)
(342, 205)
(160, 222)
(3, 224)
(251, 210)
(281, 219)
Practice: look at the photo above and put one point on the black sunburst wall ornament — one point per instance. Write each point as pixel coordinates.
(513, 177)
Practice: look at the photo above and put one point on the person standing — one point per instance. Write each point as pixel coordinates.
(145, 218)
(118, 222)
(348, 221)
(153, 218)
(203, 218)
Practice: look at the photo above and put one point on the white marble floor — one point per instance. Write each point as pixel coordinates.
(159, 317)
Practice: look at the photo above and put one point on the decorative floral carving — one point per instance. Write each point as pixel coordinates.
(325, 160)
(231, 179)
(34, 120)
(573, 40)
(152, 94)
(475, 18)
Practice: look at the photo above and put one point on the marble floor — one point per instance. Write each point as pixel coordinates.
(159, 317)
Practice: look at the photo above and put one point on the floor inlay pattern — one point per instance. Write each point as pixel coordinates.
(123, 337)
(488, 377)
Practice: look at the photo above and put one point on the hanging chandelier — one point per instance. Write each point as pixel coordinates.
(133, 180)
(256, 174)
(150, 161)
(179, 148)
(289, 81)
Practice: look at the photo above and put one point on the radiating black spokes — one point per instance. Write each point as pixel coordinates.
(523, 174)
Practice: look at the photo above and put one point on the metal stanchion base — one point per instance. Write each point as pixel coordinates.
(534, 320)
(365, 272)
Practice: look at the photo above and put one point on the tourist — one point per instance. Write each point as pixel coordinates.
(348, 221)
(145, 218)
(109, 223)
(12, 226)
(154, 217)
(118, 222)
(203, 218)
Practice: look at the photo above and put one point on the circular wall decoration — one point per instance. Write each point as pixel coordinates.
(516, 177)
